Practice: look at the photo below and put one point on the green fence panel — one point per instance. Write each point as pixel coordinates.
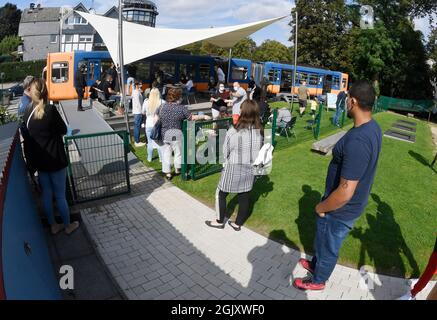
(201, 138)
(386, 103)
(97, 165)
(317, 124)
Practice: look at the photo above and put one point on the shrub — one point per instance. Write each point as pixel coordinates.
(17, 71)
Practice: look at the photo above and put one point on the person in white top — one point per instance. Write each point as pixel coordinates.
(220, 74)
(150, 109)
(137, 102)
(189, 84)
(239, 95)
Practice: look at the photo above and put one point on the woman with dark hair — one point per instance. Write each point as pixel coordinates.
(171, 114)
(44, 150)
(240, 149)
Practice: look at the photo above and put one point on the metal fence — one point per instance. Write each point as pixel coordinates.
(97, 165)
(203, 138)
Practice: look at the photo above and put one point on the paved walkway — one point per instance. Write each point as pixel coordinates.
(156, 246)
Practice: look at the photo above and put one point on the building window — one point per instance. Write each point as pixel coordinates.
(60, 72)
(68, 38)
(54, 38)
(85, 38)
(79, 20)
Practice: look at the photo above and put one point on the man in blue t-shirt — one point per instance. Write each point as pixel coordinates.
(348, 184)
(26, 99)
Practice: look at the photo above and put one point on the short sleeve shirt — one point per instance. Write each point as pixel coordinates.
(355, 158)
(303, 92)
(238, 101)
(172, 115)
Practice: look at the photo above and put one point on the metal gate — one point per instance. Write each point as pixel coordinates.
(97, 165)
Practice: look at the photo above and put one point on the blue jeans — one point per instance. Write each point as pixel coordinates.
(330, 235)
(138, 120)
(338, 113)
(151, 145)
(53, 184)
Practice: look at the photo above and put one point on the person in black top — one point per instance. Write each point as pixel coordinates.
(45, 153)
(110, 94)
(112, 71)
(80, 85)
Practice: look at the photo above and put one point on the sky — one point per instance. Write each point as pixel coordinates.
(207, 13)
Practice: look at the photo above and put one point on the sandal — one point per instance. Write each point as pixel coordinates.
(209, 224)
(236, 228)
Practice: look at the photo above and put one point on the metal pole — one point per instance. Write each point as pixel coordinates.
(60, 29)
(121, 65)
(295, 66)
(229, 65)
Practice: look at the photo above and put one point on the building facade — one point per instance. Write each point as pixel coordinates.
(60, 29)
(39, 31)
(77, 33)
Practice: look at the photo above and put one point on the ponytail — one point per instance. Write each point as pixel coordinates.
(39, 97)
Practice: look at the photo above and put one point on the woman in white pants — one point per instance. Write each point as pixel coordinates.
(172, 114)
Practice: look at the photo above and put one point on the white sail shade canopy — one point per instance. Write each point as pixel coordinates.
(140, 41)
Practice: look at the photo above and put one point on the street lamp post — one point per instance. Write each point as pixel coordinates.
(121, 65)
(295, 64)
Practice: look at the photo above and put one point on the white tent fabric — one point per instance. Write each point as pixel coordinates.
(140, 41)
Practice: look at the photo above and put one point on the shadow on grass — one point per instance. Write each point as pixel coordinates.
(383, 243)
(261, 188)
(423, 160)
(306, 221)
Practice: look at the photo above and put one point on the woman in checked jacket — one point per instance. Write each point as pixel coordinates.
(240, 149)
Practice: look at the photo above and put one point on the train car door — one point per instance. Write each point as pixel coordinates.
(93, 71)
(286, 80)
(327, 84)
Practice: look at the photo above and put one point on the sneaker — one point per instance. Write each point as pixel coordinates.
(56, 228)
(72, 227)
(306, 264)
(407, 296)
(307, 284)
(139, 144)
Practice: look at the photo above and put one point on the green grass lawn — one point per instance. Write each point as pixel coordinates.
(395, 234)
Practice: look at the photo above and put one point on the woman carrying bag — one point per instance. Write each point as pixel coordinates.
(44, 150)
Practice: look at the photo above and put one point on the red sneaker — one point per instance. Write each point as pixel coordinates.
(306, 264)
(306, 284)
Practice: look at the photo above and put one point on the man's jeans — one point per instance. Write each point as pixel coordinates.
(138, 120)
(338, 113)
(330, 235)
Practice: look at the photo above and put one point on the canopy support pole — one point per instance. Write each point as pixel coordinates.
(295, 65)
(121, 65)
(229, 66)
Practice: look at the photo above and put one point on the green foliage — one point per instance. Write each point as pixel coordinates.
(10, 17)
(9, 44)
(244, 49)
(17, 71)
(5, 116)
(392, 55)
(271, 50)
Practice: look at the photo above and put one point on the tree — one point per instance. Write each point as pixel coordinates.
(9, 44)
(322, 26)
(271, 50)
(244, 49)
(9, 20)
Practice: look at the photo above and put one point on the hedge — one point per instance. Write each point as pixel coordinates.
(17, 71)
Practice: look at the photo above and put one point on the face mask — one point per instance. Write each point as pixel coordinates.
(236, 88)
(221, 89)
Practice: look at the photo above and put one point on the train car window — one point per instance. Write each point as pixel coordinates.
(313, 80)
(301, 77)
(168, 69)
(204, 70)
(143, 71)
(344, 83)
(336, 81)
(272, 75)
(60, 72)
(239, 73)
(187, 69)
